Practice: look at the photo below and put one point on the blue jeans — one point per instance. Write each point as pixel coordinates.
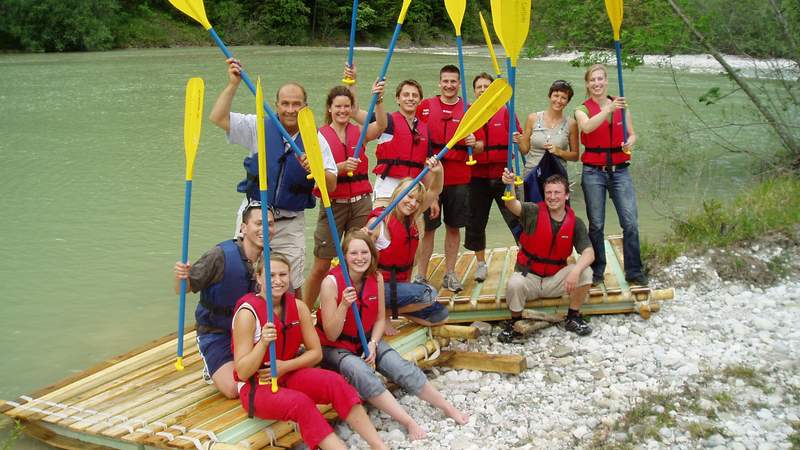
(411, 293)
(619, 185)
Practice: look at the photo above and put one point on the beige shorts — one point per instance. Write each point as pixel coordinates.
(348, 216)
(531, 287)
(289, 240)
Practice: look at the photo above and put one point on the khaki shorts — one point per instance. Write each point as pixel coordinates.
(531, 287)
(348, 216)
(289, 240)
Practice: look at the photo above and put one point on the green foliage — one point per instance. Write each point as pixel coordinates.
(284, 22)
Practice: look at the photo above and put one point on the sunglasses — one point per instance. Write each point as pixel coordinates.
(561, 84)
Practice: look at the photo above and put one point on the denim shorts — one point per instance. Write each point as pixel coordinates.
(215, 349)
(411, 293)
(368, 384)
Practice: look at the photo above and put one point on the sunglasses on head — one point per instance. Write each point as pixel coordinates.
(561, 84)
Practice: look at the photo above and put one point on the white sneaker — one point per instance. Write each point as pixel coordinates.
(481, 272)
(418, 278)
(451, 282)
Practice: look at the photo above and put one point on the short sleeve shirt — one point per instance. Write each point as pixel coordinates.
(530, 215)
(210, 268)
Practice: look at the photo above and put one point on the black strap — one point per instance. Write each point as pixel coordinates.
(393, 290)
(495, 147)
(251, 399)
(603, 149)
(401, 162)
(533, 258)
(354, 178)
(225, 311)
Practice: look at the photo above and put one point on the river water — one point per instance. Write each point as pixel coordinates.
(91, 177)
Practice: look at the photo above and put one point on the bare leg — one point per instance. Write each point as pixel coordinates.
(388, 404)
(452, 240)
(480, 255)
(332, 442)
(578, 295)
(424, 253)
(223, 380)
(314, 281)
(358, 421)
(435, 398)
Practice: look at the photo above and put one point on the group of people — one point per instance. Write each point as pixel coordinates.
(233, 332)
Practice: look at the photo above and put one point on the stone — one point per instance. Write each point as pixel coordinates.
(764, 414)
(584, 375)
(484, 328)
(665, 433)
(564, 362)
(580, 432)
(764, 324)
(715, 440)
(561, 351)
(598, 374)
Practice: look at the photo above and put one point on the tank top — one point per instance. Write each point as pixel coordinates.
(558, 136)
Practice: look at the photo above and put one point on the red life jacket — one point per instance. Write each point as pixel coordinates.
(403, 156)
(542, 253)
(603, 146)
(442, 123)
(398, 257)
(346, 186)
(290, 334)
(495, 146)
(367, 305)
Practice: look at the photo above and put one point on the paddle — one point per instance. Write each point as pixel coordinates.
(192, 120)
(262, 186)
(197, 11)
(513, 17)
(495, 96)
(308, 130)
(381, 77)
(614, 10)
(490, 46)
(455, 9)
(347, 80)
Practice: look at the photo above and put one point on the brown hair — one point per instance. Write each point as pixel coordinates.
(353, 235)
(561, 86)
(482, 75)
(408, 82)
(418, 191)
(336, 91)
(558, 179)
(592, 68)
(449, 68)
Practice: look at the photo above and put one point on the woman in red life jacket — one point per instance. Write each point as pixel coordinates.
(551, 130)
(342, 349)
(606, 157)
(351, 202)
(397, 239)
(302, 386)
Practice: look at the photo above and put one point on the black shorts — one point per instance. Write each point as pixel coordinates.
(454, 204)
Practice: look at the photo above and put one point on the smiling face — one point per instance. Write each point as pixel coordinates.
(408, 99)
(279, 271)
(597, 83)
(480, 85)
(291, 99)
(340, 110)
(555, 196)
(358, 256)
(449, 83)
(558, 100)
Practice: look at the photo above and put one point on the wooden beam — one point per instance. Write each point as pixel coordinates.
(456, 332)
(485, 362)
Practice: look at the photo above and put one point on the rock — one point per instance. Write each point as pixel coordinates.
(580, 432)
(598, 374)
(584, 375)
(764, 414)
(665, 433)
(715, 440)
(564, 362)
(764, 324)
(687, 370)
(561, 351)
(484, 328)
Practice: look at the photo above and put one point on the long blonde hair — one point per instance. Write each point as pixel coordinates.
(592, 68)
(418, 192)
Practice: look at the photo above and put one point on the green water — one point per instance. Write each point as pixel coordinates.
(91, 177)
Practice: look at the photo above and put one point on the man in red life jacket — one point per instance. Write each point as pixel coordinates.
(550, 231)
(442, 114)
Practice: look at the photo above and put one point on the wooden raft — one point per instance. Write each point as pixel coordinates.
(486, 301)
(139, 401)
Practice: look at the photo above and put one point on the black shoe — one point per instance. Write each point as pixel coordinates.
(508, 334)
(639, 280)
(578, 326)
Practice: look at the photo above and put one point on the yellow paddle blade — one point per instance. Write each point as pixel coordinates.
(403, 10)
(495, 96)
(614, 10)
(194, 9)
(489, 45)
(515, 22)
(455, 9)
(308, 131)
(260, 132)
(496, 23)
(192, 120)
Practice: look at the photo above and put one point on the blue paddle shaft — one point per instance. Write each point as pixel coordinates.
(273, 367)
(252, 87)
(618, 48)
(343, 264)
(408, 189)
(187, 204)
(352, 34)
(463, 84)
(374, 100)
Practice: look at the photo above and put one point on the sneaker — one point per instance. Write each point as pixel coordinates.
(508, 334)
(418, 278)
(451, 283)
(481, 272)
(597, 282)
(578, 326)
(639, 280)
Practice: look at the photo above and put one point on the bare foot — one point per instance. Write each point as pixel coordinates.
(390, 330)
(458, 416)
(416, 432)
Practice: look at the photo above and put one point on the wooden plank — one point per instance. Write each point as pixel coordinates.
(40, 433)
(456, 332)
(496, 267)
(510, 262)
(465, 268)
(485, 362)
(188, 417)
(436, 270)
